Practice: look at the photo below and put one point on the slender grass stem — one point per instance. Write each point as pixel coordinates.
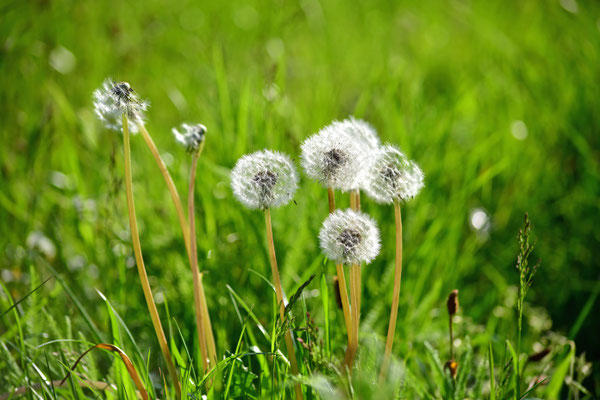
(289, 342)
(451, 338)
(137, 248)
(396, 294)
(193, 256)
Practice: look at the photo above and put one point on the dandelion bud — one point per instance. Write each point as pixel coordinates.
(264, 179)
(332, 158)
(113, 100)
(452, 302)
(349, 237)
(190, 136)
(392, 176)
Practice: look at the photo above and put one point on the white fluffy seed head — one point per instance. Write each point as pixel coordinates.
(393, 176)
(190, 136)
(332, 158)
(360, 131)
(113, 100)
(365, 137)
(264, 179)
(349, 237)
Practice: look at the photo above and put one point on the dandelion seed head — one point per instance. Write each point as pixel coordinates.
(113, 100)
(190, 136)
(264, 179)
(360, 131)
(349, 237)
(332, 158)
(366, 138)
(393, 176)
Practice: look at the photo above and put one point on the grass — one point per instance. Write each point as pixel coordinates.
(454, 84)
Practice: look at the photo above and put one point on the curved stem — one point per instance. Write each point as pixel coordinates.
(396, 294)
(198, 287)
(139, 261)
(169, 181)
(289, 341)
(193, 256)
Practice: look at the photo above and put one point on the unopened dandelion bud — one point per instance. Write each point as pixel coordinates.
(452, 302)
(115, 99)
(264, 179)
(392, 176)
(191, 136)
(349, 237)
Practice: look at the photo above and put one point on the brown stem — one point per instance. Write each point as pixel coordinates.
(396, 293)
(354, 297)
(169, 181)
(289, 342)
(139, 261)
(345, 303)
(331, 198)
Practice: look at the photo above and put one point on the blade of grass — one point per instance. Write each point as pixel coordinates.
(492, 376)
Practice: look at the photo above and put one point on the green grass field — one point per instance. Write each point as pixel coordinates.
(496, 101)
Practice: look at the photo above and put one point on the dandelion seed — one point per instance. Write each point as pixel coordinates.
(392, 176)
(264, 179)
(349, 237)
(332, 158)
(115, 99)
(190, 135)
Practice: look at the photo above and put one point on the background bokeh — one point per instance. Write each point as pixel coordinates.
(496, 100)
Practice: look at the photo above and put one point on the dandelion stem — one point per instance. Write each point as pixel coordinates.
(396, 293)
(354, 297)
(170, 185)
(289, 342)
(137, 248)
(341, 278)
(193, 256)
(345, 302)
(331, 198)
(198, 287)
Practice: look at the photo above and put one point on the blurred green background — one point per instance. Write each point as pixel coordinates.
(496, 100)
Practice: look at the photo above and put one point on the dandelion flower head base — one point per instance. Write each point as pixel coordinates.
(190, 136)
(264, 179)
(113, 100)
(349, 237)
